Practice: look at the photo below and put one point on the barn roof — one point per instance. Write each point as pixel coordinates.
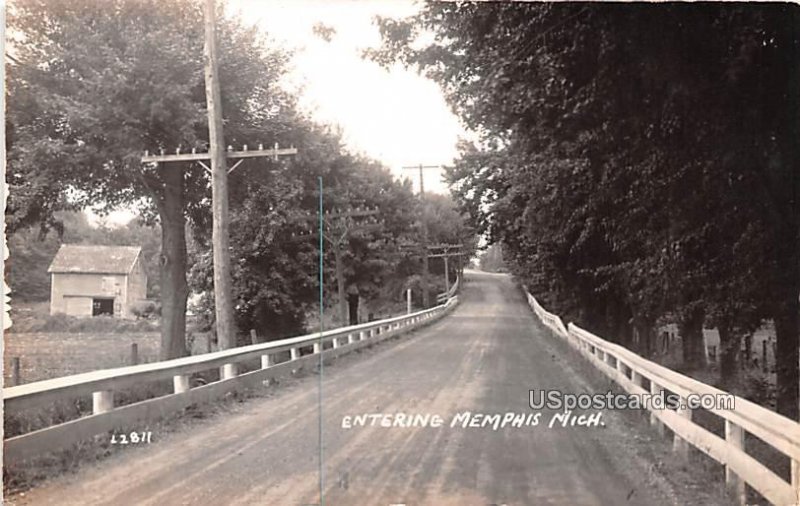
(81, 258)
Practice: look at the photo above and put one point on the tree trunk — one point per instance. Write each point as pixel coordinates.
(729, 345)
(340, 284)
(645, 332)
(174, 289)
(619, 320)
(786, 360)
(690, 329)
(748, 350)
(352, 301)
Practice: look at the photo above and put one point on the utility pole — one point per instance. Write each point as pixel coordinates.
(432, 251)
(426, 299)
(337, 227)
(220, 233)
(445, 254)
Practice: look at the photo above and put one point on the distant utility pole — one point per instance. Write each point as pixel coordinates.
(337, 226)
(426, 298)
(445, 253)
(220, 234)
(440, 251)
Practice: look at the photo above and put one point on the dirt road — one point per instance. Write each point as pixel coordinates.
(483, 358)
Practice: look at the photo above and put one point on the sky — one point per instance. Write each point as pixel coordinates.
(394, 116)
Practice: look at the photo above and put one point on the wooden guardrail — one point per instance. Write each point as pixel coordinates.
(442, 297)
(639, 376)
(102, 384)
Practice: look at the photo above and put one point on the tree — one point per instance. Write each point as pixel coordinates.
(31, 252)
(97, 83)
(635, 161)
(274, 232)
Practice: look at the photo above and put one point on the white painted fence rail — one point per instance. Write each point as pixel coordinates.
(631, 371)
(102, 384)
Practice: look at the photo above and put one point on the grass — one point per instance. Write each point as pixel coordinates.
(61, 346)
(46, 355)
(750, 383)
(34, 316)
(26, 322)
(20, 477)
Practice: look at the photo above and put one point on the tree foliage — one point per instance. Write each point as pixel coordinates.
(275, 242)
(637, 162)
(31, 252)
(98, 83)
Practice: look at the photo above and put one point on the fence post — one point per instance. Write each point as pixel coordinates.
(253, 336)
(775, 352)
(408, 301)
(637, 379)
(734, 435)
(679, 445)
(180, 383)
(228, 371)
(15, 378)
(621, 368)
(655, 389)
(317, 348)
(350, 338)
(102, 401)
(134, 354)
(267, 361)
(295, 354)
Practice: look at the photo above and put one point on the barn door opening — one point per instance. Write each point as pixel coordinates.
(102, 307)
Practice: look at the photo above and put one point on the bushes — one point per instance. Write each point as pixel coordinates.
(145, 309)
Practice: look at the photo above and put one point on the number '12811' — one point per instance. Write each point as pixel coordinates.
(132, 438)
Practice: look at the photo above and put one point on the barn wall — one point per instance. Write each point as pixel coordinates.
(72, 285)
(137, 285)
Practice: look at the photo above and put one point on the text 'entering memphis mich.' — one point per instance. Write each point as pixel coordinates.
(470, 420)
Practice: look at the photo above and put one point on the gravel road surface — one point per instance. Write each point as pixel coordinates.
(482, 359)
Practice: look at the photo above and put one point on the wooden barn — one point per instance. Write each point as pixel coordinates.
(97, 280)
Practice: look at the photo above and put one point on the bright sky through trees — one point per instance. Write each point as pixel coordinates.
(396, 117)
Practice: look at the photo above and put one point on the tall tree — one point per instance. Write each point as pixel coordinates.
(630, 157)
(99, 82)
(274, 238)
